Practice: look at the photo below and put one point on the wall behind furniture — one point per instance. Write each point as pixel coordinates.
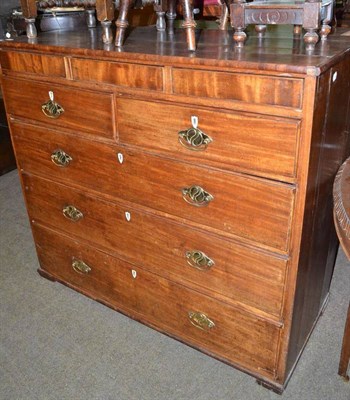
(7, 5)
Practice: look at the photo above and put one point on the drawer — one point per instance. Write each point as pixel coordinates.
(33, 63)
(120, 74)
(231, 335)
(279, 91)
(260, 145)
(254, 209)
(238, 274)
(25, 99)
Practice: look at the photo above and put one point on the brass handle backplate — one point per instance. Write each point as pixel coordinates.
(61, 158)
(72, 213)
(194, 139)
(52, 109)
(197, 259)
(200, 320)
(80, 267)
(196, 196)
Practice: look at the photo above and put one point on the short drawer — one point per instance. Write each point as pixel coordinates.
(32, 63)
(248, 88)
(196, 319)
(83, 110)
(255, 209)
(250, 143)
(138, 76)
(205, 262)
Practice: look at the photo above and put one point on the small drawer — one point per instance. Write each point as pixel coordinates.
(120, 74)
(66, 107)
(212, 264)
(31, 63)
(196, 319)
(249, 143)
(255, 209)
(276, 91)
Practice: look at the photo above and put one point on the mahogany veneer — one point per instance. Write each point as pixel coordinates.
(192, 193)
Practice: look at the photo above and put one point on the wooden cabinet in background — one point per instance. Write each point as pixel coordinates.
(193, 194)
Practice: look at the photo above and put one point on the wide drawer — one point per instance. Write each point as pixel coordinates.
(231, 335)
(33, 63)
(25, 99)
(264, 146)
(235, 273)
(248, 88)
(255, 209)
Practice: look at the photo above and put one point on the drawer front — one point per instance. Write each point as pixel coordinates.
(119, 74)
(239, 274)
(235, 336)
(257, 210)
(279, 91)
(25, 99)
(261, 145)
(33, 63)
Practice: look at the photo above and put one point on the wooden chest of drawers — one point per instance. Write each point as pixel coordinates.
(190, 193)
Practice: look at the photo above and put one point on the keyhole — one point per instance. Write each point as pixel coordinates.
(127, 216)
(133, 273)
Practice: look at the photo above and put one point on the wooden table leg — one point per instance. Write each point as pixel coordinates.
(237, 11)
(345, 352)
(122, 22)
(105, 14)
(30, 12)
(171, 15)
(189, 23)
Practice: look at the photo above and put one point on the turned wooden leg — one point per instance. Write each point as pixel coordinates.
(30, 12)
(326, 28)
(310, 39)
(105, 14)
(260, 30)
(90, 18)
(160, 7)
(238, 22)
(345, 352)
(189, 24)
(223, 21)
(171, 15)
(122, 22)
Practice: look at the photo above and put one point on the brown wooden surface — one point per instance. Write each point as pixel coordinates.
(285, 292)
(33, 63)
(105, 225)
(241, 142)
(163, 303)
(245, 208)
(83, 110)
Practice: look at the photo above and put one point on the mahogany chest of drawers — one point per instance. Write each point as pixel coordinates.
(191, 193)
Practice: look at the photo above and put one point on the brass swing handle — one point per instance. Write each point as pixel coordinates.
(200, 320)
(196, 196)
(50, 108)
(61, 158)
(72, 213)
(194, 139)
(197, 259)
(80, 267)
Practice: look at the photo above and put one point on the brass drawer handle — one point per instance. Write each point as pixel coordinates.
(72, 213)
(197, 259)
(200, 320)
(194, 139)
(50, 108)
(196, 196)
(61, 158)
(80, 267)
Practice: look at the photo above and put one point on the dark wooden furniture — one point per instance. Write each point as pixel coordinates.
(7, 158)
(341, 194)
(312, 15)
(192, 193)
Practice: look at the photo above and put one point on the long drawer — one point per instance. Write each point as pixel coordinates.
(255, 209)
(199, 320)
(260, 145)
(25, 99)
(208, 263)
